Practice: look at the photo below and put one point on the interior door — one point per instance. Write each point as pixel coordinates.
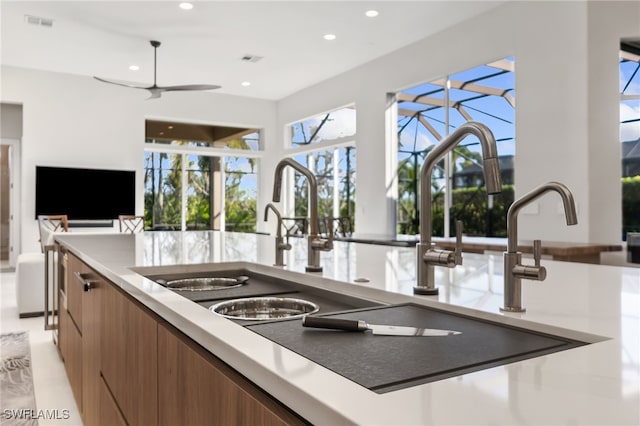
(9, 192)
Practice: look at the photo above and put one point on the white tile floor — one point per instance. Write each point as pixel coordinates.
(52, 388)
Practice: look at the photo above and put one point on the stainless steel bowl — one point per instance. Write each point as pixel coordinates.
(206, 283)
(264, 308)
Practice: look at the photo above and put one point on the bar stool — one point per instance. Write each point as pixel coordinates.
(131, 223)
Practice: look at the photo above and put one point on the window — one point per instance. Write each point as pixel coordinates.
(332, 127)
(192, 185)
(241, 192)
(335, 174)
(163, 189)
(426, 115)
(630, 135)
(325, 144)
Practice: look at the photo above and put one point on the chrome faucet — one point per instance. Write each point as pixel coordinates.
(427, 256)
(281, 246)
(514, 271)
(315, 244)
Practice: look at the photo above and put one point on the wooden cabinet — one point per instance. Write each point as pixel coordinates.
(127, 366)
(71, 350)
(93, 286)
(70, 328)
(196, 388)
(75, 267)
(109, 412)
(129, 356)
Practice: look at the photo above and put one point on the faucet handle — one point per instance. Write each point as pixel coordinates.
(532, 272)
(320, 243)
(331, 232)
(458, 250)
(537, 251)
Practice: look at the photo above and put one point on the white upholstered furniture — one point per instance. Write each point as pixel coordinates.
(30, 284)
(30, 269)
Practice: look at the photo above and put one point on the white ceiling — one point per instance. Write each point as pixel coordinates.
(205, 45)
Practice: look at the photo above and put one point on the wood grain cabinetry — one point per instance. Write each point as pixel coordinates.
(109, 412)
(93, 286)
(127, 366)
(74, 289)
(196, 388)
(129, 356)
(71, 350)
(70, 327)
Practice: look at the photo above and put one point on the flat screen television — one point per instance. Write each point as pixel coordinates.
(85, 194)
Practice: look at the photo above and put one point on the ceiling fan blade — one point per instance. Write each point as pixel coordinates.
(189, 87)
(155, 90)
(118, 83)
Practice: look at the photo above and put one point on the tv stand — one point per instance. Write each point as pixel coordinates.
(107, 223)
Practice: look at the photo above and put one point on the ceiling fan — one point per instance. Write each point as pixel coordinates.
(156, 91)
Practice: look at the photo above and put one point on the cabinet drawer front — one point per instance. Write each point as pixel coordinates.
(74, 290)
(71, 349)
(110, 414)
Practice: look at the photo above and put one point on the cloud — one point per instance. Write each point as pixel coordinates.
(629, 131)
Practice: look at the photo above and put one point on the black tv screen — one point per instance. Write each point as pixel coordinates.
(85, 194)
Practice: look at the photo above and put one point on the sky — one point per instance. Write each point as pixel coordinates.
(630, 109)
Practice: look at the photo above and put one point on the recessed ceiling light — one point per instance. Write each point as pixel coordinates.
(329, 36)
(186, 6)
(246, 83)
(134, 68)
(371, 13)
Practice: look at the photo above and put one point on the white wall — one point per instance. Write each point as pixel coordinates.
(567, 107)
(76, 121)
(566, 124)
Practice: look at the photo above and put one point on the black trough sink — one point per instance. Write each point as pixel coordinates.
(387, 363)
(260, 285)
(379, 363)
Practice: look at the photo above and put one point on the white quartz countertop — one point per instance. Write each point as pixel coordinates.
(598, 383)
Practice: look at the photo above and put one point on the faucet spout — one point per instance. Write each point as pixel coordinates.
(571, 216)
(514, 270)
(281, 245)
(313, 190)
(278, 218)
(428, 256)
(315, 244)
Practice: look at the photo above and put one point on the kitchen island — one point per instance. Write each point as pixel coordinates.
(598, 383)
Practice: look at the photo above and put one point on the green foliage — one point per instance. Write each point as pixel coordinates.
(323, 166)
(239, 206)
(470, 205)
(408, 189)
(162, 201)
(163, 194)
